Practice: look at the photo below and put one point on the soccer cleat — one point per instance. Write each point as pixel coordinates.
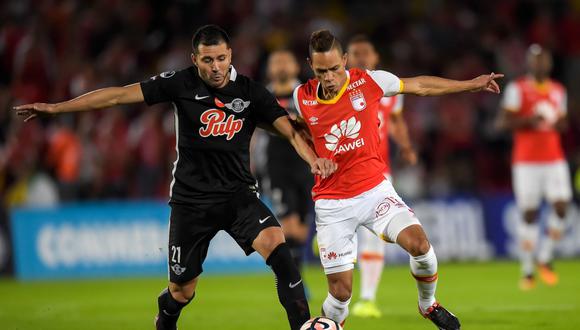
(161, 324)
(527, 283)
(442, 318)
(366, 309)
(548, 275)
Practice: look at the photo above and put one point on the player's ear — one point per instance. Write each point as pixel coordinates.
(309, 62)
(344, 59)
(193, 59)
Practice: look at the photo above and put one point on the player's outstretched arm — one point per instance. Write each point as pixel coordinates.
(433, 86)
(319, 166)
(98, 99)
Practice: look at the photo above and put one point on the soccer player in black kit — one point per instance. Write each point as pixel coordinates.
(216, 112)
(287, 180)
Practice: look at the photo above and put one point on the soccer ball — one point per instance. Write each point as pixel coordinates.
(321, 323)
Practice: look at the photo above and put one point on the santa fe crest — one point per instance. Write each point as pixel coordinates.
(358, 100)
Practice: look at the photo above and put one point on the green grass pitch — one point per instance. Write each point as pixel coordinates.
(483, 295)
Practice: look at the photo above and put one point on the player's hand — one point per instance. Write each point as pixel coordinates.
(487, 83)
(31, 111)
(323, 167)
(409, 156)
(537, 120)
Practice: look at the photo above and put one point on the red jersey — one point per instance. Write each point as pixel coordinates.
(526, 98)
(346, 130)
(387, 106)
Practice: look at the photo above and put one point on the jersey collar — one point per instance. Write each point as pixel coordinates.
(233, 73)
(337, 97)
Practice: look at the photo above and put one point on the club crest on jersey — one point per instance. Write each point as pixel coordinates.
(218, 123)
(357, 99)
(177, 269)
(237, 105)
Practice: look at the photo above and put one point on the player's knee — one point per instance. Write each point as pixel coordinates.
(419, 246)
(530, 216)
(268, 240)
(183, 292)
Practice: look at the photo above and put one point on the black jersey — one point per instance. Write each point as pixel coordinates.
(213, 128)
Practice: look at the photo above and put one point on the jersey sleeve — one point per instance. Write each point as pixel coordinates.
(296, 100)
(398, 108)
(266, 107)
(512, 99)
(160, 88)
(388, 82)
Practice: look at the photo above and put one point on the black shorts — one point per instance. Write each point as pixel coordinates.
(290, 192)
(192, 227)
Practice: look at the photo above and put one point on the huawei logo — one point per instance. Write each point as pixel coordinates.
(346, 129)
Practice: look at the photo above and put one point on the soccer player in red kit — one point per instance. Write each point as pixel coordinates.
(339, 108)
(535, 109)
(362, 54)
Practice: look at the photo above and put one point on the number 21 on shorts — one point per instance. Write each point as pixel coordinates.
(175, 254)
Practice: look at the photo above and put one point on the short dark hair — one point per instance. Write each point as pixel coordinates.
(323, 41)
(209, 35)
(359, 38)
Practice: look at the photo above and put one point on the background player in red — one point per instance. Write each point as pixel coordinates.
(535, 110)
(340, 109)
(362, 54)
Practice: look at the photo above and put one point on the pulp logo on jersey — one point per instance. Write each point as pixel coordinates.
(217, 124)
(177, 269)
(237, 105)
(357, 99)
(346, 129)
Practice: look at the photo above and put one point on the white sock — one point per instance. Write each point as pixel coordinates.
(528, 238)
(555, 224)
(335, 309)
(371, 269)
(424, 269)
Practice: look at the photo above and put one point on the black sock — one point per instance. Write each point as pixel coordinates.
(290, 286)
(296, 247)
(169, 308)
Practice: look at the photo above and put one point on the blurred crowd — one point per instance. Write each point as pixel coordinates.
(52, 50)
